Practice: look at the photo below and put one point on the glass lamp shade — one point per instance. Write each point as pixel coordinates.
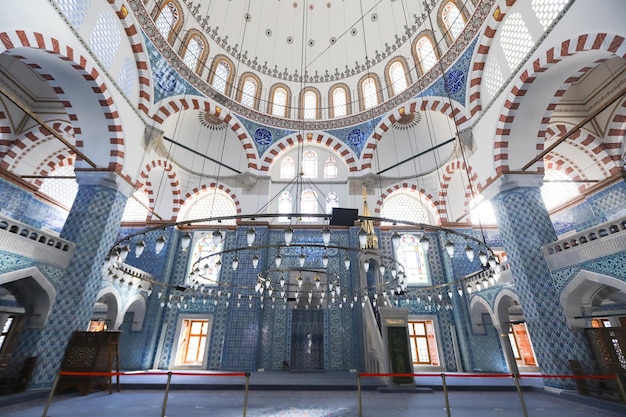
(325, 260)
(185, 240)
(288, 235)
(395, 239)
(492, 261)
(346, 262)
(218, 265)
(205, 269)
(366, 265)
(362, 238)
(235, 263)
(301, 259)
(159, 244)
(255, 261)
(450, 248)
(382, 268)
(318, 281)
(394, 271)
(250, 235)
(278, 260)
(326, 235)
(300, 282)
(216, 236)
(123, 253)
(483, 258)
(425, 243)
(469, 288)
(469, 252)
(139, 248)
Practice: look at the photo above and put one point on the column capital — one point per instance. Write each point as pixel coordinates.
(107, 179)
(510, 181)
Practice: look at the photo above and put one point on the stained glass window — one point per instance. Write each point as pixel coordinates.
(135, 210)
(516, 41)
(193, 53)
(397, 77)
(284, 205)
(249, 92)
(279, 102)
(214, 203)
(308, 205)
(167, 19)
(370, 96)
(204, 257)
(558, 192)
(310, 105)
(410, 255)
(220, 79)
(288, 168)
(340, 102)
(332, 200)
(453, 19)
(330, 167)
(59, 189)
(404, 206)
(425, 53)
(309, 164)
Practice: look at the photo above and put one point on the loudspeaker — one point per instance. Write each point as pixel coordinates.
(343, 216)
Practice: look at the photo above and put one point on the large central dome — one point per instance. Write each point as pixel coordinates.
(325, 39)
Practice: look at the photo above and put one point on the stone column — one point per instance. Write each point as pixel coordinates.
(93, 224)
(525, 227)
(505, 342)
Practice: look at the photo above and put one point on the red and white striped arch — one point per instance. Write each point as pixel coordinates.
(422, 195)
(11, 40)
(174, 184)
(197, 192)
(61, 158)
(612, 44)
(448, 172)
(173, 105)
(457, 113)
(320, 138)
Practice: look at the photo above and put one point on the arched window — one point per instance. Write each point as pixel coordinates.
(249, 91)
(481, 212)
(369, 93)
(397, 78)
(168, 21)
(332, 200)
(453, 20)
(284, 206)
(60, 189)
(548, 10)
(309, 164)
(330, 167)
(515, 39)
(339, 101)
(308, 205)
(222, 70)
(210, 204)
(279, 101)
(288, 168)
(558, 192)
(203, 261)
(136, 207)
(425, 52)
(309, 106)
(406, 206)
(410, 254)
(194, 53)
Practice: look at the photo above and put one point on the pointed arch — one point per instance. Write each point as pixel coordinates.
(137, 306)
(86, 69)
(174, 184)
(111, 296)
(613, 45)
(426, 199)
(284, 144)
(41, 294)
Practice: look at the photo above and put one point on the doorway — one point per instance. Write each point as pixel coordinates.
(307, 340)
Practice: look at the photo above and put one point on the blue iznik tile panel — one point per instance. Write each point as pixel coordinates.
(92, 224)
(355, 137)
(525, 227)
(454, 83)
(22, 206)
(264, 136)
(487, 355)
(167, 82)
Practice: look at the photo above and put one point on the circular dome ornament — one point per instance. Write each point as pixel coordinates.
(263, 136)
(211, 121)
(455, 80)
(356, 137)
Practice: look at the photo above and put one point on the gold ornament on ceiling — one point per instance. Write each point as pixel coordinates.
(211, 121)
(407, 121)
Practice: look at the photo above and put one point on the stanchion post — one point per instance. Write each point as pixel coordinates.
(54, 388)
(167, 392)
(245, 395)
(521, 396)
(620, 388)
(358, 388)
(445, 393)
